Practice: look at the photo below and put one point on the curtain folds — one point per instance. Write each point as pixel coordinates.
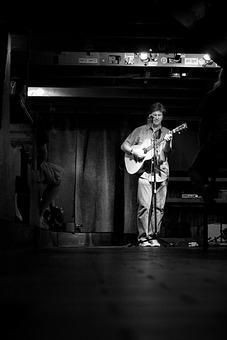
(92, 192)
(95, 167)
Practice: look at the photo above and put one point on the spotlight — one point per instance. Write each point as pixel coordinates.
(147, 57)
(143, 56)
(206, 60)
(207, 57)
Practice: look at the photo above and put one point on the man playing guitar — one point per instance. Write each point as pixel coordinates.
(139, 152)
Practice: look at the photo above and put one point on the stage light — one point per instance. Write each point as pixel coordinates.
(207, 60)
(207, 57)
(143, 56)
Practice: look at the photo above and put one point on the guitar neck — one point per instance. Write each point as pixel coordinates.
(181, 127)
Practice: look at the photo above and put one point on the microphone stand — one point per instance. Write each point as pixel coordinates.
(154, 185)
(154, 189)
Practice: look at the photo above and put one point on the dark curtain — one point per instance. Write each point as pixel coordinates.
(96, 192)
(95, 180)
(92, 191)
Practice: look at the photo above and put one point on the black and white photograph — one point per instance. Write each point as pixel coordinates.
(113, 170)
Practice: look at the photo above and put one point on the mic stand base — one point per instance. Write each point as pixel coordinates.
(153, 168)
(162, 241)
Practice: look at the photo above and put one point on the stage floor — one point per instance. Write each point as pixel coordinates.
(114, 292)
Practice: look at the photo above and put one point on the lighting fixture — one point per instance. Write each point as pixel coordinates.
(144, 56)
(207, 60)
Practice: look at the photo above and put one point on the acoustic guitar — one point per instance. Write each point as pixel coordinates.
(133, 165)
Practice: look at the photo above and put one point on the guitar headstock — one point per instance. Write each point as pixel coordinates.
(180, 128)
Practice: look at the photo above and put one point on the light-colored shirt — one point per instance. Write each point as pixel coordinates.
(145, 135)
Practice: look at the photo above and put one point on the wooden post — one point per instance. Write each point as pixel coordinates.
(7, 182)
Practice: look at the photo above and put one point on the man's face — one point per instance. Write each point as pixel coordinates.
(156, 117)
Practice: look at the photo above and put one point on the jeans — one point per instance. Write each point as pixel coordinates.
(145, 212)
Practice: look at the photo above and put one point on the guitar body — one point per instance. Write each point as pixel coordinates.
(133, 166)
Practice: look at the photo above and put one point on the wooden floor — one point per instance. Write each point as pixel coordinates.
(122, 293)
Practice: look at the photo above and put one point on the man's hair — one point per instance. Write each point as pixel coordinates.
(157, 107)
